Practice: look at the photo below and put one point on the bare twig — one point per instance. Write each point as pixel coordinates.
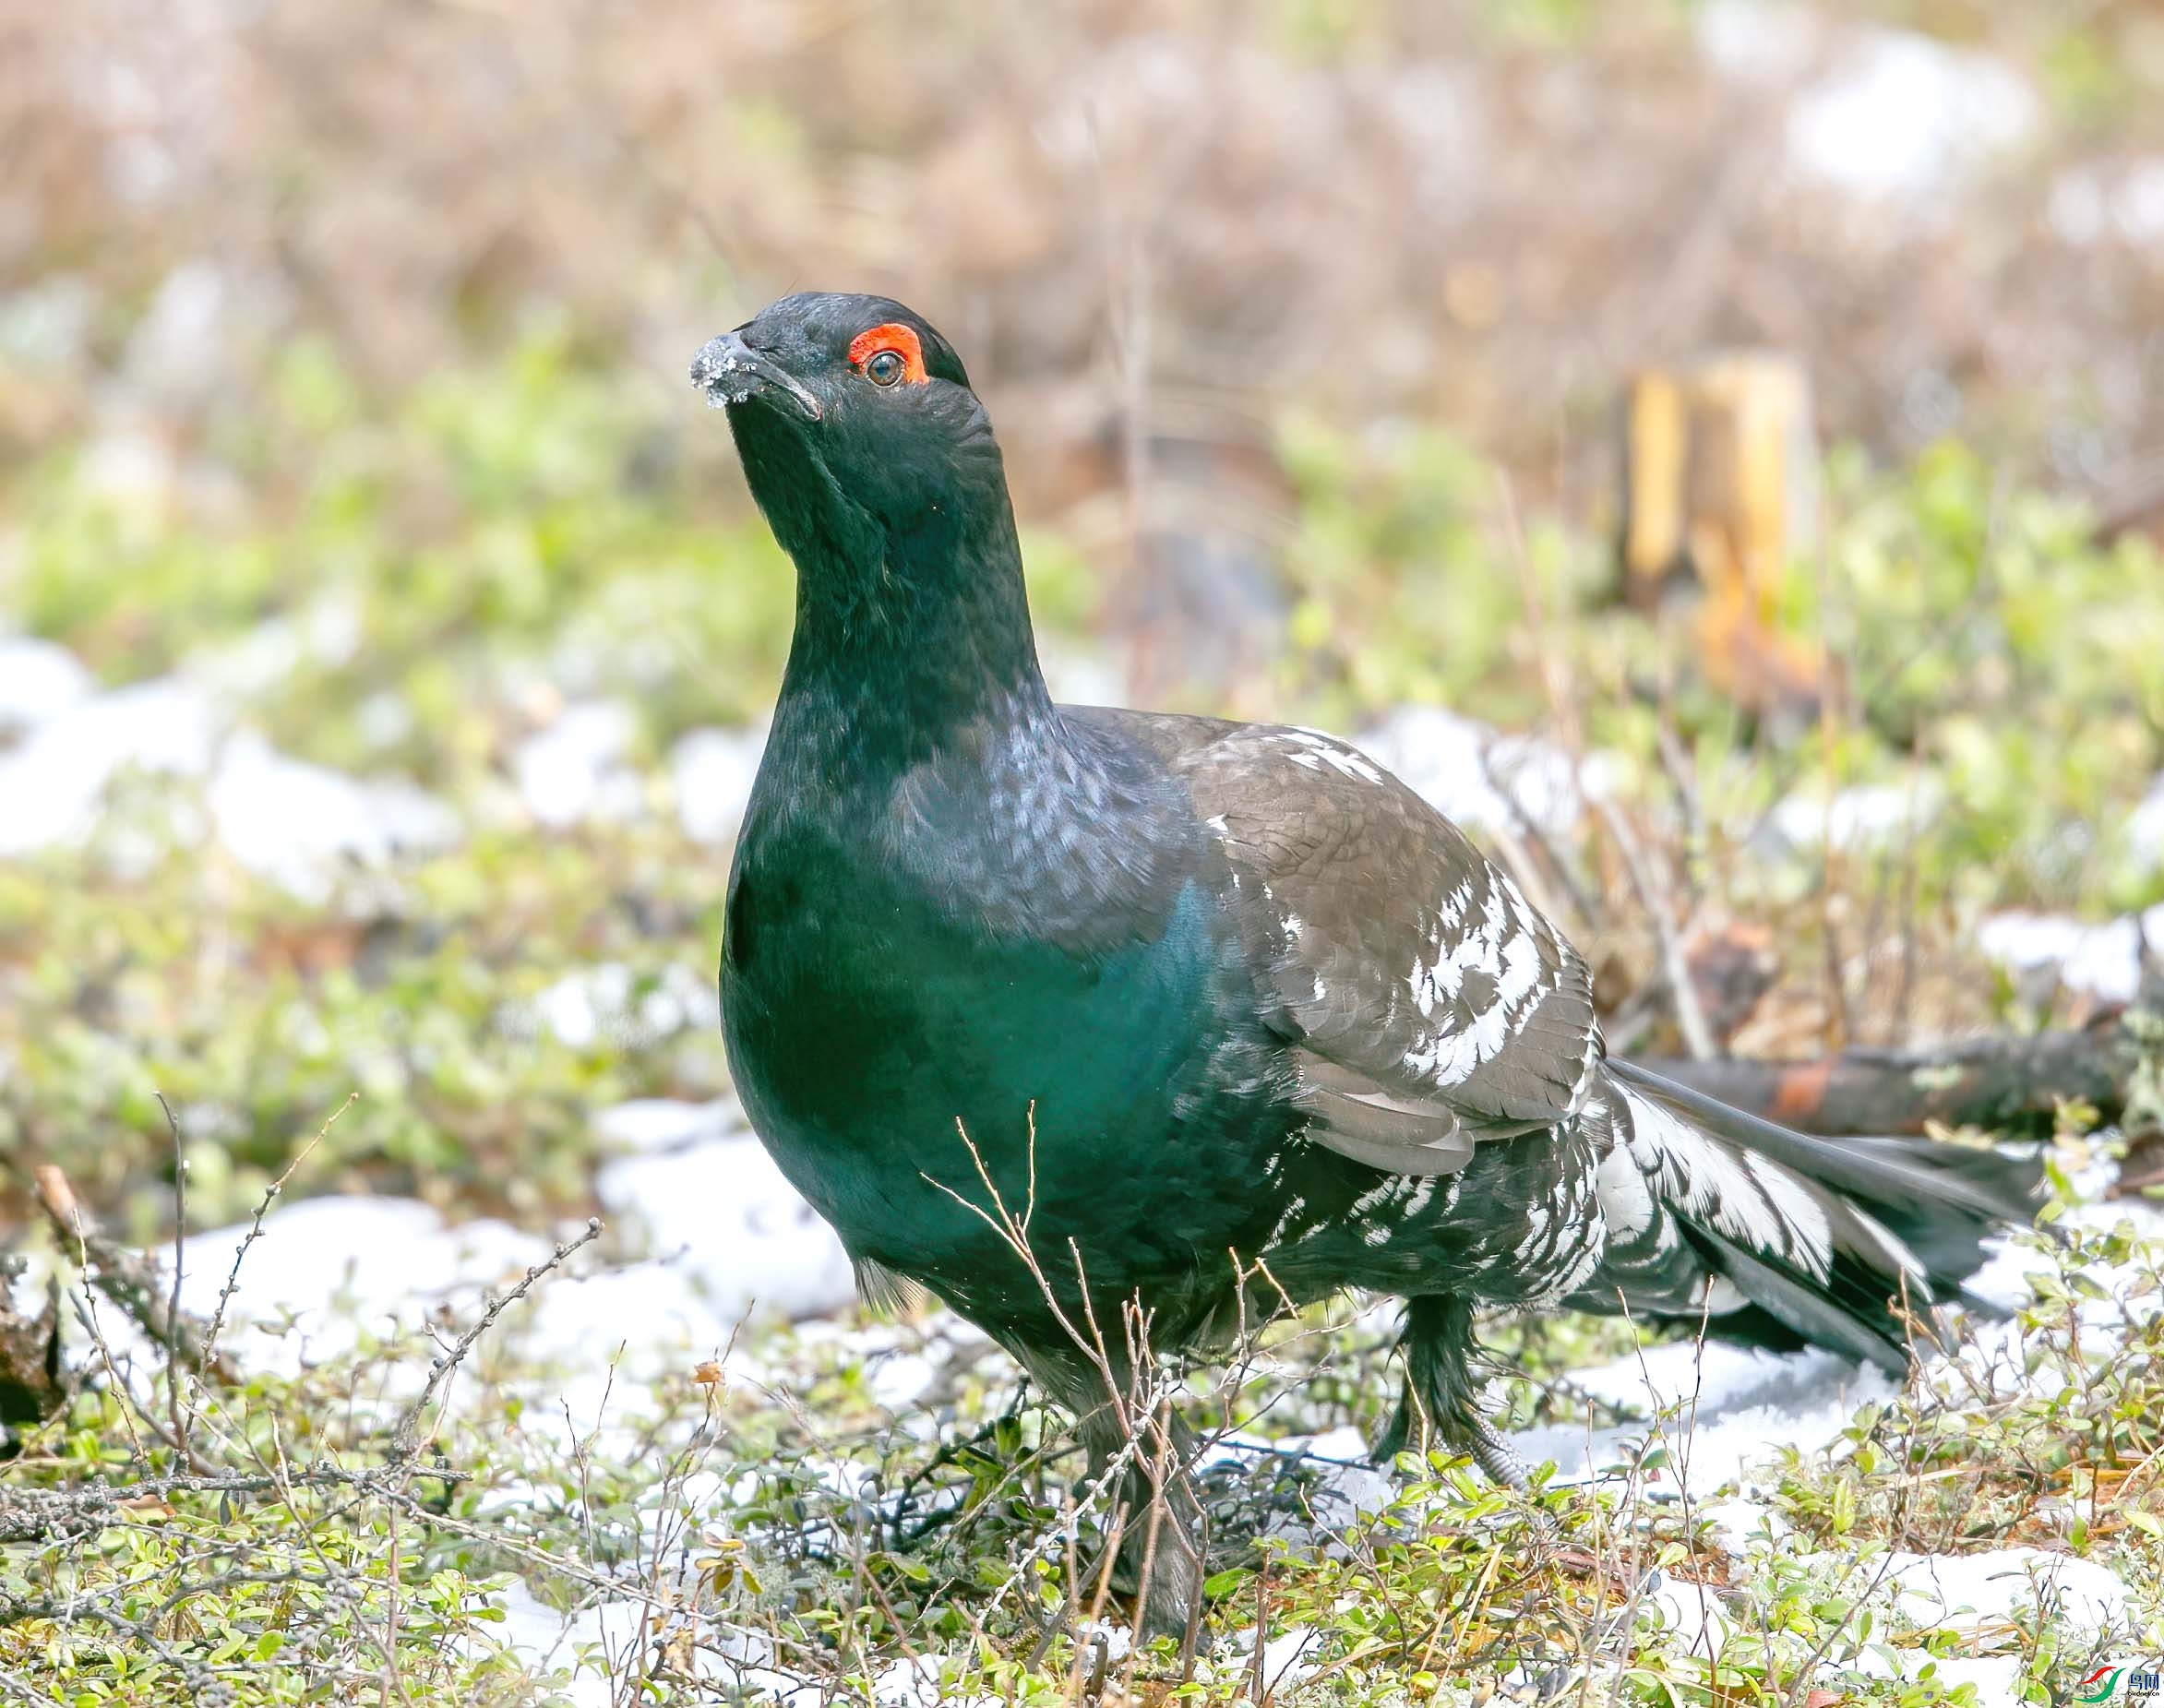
(180, 1228)
(271, 1196)
(1689, 1016)
(405, 1438)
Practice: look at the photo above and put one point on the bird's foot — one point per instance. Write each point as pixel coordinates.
(1468, 1434)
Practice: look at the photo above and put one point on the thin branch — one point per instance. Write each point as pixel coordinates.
(405, 1438)
(271, 1196)
(1689, 1016)
(180, 1228)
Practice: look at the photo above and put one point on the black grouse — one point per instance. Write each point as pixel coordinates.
(1194, 996)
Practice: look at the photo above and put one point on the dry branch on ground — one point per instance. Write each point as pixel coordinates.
(2002, 1083)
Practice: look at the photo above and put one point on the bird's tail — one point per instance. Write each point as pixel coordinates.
(1783, 1239)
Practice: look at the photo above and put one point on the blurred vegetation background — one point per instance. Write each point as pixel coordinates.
(391, 628)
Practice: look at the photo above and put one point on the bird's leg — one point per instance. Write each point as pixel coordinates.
(1440, 1403)
(1154, 1505)
(1497, 1457)
(1140, 1451)
(1467, 1433)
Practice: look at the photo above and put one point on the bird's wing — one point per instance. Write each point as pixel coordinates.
(1429, 1005)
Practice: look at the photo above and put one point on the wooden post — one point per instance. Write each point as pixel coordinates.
(1720, 463)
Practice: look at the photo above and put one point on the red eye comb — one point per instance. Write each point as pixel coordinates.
(902, 340)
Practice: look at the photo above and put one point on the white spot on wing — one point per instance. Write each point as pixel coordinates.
(1314, 750)
(1375, 1195)
(1626, 1202)
(1449, 1059)
(1277, 1232)
(1520, 969)
(1537, 1232)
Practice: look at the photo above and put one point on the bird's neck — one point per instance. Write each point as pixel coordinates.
(908, 642)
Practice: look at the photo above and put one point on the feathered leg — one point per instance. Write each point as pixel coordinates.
(1440, 1403)
(1151, 1496)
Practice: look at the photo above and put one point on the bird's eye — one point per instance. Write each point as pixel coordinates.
(889, 355)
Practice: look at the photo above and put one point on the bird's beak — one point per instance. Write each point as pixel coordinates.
(729, 371)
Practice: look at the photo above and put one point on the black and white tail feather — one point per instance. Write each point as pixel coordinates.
(1782, 1239)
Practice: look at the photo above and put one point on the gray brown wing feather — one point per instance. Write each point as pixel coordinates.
(1429, 1005)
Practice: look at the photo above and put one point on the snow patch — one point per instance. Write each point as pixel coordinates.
(576, 770)
(728, 1233)
(2145, 825)
(180, 350)
(2097, 959)
(546, 1639)
(1901, 116)
(1905, 113)
(610, 1003)
(2089, 204)
(1969, 1590)
(1757, 40)
(1734, 1523)
(291, 822)
(723, 1213)
(1284, 1661)
(1692, 1615)
(130, 468)
(47, 326)
(649, 1124)
(38, 680)
(324, 635)
(1997, 1678)
(296, 824)
(1887, 114)
(600, 1647)
(713, 772)
(1473, 774)
(54, 781)
(1735, 1406)
(1863, 818)
(646, 1318)
(327, 1270)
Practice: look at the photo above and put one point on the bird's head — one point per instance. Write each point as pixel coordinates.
(855, 422)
